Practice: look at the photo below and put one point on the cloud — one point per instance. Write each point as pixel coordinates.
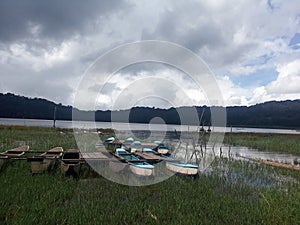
(285, 87)
(50, 44)
(56, 20)
(288, 79)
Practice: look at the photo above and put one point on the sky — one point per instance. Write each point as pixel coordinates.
(252, 48)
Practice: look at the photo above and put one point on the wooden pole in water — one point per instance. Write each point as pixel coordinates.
(54, 117)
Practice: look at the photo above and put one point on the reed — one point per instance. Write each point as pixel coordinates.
(283, 143)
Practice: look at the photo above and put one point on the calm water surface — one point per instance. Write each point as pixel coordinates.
(134, 126)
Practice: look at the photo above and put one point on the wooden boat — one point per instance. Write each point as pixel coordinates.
(176, 166)
(12, 153)
(70, 163)
(42, 162)
(136, 165)
(16, 152)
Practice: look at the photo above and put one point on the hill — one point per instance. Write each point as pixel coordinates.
(276, 114)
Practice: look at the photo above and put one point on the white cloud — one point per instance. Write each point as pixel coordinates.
(232, 94)
(288, 81)
(285, 87)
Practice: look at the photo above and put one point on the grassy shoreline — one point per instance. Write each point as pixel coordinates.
(234, 192)
(281, 143)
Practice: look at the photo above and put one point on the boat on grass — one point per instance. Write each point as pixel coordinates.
(16, 152)
(43, 162)
(176, 166)
(12, 153)
(70, 163)
(136, 165)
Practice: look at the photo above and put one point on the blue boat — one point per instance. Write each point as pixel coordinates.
(108, 140)
(137, 166)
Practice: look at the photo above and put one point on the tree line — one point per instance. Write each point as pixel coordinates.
(276, 114)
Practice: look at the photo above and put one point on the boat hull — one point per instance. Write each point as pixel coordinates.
(36, 164)
(136, 165)
(41, 163)
(163, 151)
(71, 169)
(177, 168)
(145, 172)
(70, 163)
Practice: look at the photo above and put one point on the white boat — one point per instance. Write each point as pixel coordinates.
(175, 166)
(163, 150)
(137, 166)
(182, 168)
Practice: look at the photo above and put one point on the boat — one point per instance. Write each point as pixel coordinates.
(127, 143)
(182, 168)
(136, 165)
(107, 141)
(12, 153)
(70, 163)
(16, 152)
(161, 148)
(42, 162)
(176, 166)
(136, 146)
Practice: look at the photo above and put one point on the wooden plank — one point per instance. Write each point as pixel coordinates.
(93, 155)
(149, 156)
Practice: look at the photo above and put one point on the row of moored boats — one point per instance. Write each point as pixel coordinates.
(139, 158)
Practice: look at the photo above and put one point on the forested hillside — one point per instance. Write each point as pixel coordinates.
(269, 114)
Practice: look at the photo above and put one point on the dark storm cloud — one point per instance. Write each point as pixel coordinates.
(179, 26)
(54, 19)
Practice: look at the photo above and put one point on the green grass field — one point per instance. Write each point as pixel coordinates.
(234, 192)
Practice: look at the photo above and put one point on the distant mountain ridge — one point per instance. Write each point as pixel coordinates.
(276, 114)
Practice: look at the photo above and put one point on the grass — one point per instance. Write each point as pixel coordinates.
(282, 143)
(235, 192)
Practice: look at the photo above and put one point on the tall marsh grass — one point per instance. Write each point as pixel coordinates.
(232, 192)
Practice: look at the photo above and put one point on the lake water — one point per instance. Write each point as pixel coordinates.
(134, 126)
